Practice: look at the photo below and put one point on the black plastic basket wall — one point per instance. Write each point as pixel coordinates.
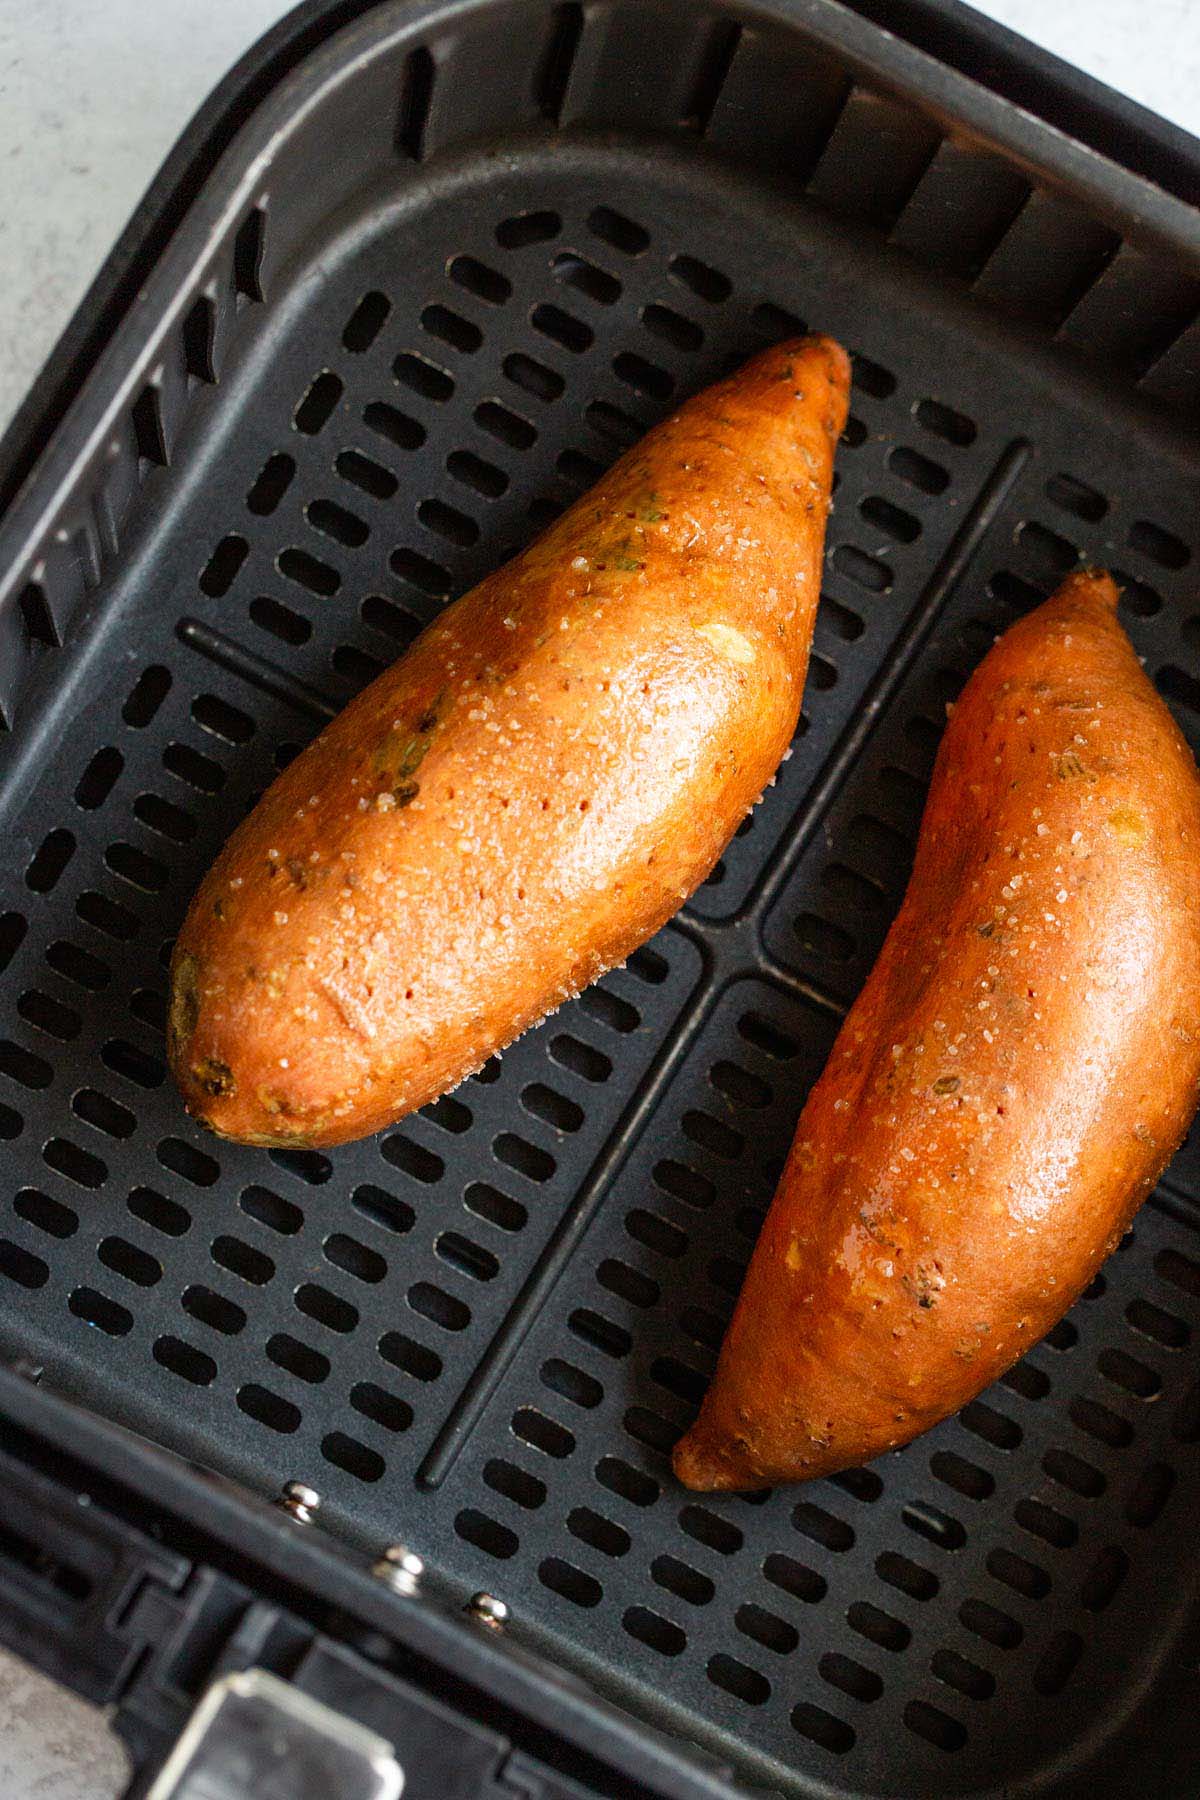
(388, 368)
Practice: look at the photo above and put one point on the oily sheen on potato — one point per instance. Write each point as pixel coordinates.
(1019, 1067)
(531, 790)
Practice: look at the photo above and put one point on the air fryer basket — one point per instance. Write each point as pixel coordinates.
(457, 262)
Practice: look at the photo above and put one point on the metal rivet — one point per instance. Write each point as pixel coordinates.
(300, 1500)
(488, 1610)
(400, 1567)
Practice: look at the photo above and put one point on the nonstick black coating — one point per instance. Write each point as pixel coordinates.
(483, 1330)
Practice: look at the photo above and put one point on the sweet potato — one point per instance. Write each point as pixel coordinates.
(531, 791)
(1005, 1091)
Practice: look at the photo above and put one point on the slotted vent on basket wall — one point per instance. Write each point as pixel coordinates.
(504, 1309)
(763, 96)
(95, 525)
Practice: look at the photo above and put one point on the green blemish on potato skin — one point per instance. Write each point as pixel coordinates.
(214, 1078)
(183, 1013)
(435, 712)
(403, 750)
(1128, 825)
(288, 1131)
(619, 555)
(401, 754)
(922, 1286)
(262, 1140)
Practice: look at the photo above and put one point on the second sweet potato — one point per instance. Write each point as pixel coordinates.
(1007, 1088)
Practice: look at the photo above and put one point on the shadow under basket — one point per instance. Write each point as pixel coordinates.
(448, 266)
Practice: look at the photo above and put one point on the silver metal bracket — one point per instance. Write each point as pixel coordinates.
(254, 1737)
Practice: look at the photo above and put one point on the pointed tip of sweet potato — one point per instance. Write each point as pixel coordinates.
(709, 1463)
(706, 1467)
(1089, 584)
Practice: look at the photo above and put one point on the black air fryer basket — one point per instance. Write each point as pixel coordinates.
(415, 277)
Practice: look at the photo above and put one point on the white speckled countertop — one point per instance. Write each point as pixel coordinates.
(93, 93)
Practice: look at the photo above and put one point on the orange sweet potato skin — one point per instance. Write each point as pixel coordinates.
(531, 791)
(1019, 1067)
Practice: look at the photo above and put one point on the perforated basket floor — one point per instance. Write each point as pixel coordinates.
(482, 1331)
